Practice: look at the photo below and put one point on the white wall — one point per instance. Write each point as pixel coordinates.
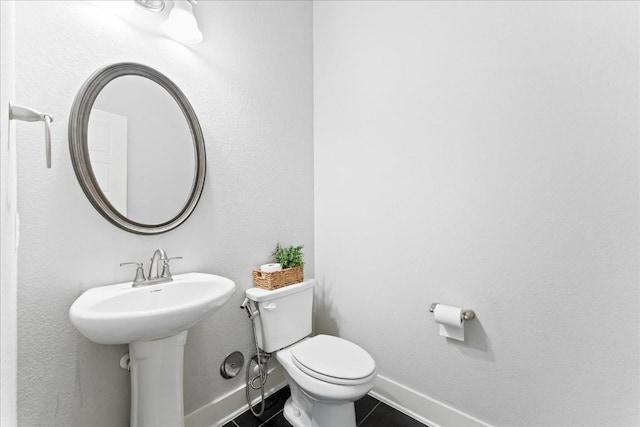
(8, 253)
(484, 154)
(250, 82)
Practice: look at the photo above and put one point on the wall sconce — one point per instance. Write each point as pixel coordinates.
(181, 25)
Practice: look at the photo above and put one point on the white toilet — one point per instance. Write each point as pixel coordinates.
(326, 374)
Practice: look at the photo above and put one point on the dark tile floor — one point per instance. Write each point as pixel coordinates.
(370, 412)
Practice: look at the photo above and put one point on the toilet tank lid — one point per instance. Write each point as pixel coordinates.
(259, 295)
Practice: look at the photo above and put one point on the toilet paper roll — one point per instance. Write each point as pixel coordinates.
(270, 268)
(450, 320)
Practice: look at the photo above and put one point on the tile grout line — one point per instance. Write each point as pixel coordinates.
(272, 417)
(370, 412)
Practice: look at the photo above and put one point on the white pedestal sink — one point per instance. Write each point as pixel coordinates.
(153, 320)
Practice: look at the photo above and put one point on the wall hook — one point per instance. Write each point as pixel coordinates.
(26, 114)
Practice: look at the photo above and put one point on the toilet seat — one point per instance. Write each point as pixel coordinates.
(333, 360)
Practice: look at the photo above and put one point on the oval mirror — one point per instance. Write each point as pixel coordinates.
(137, 148)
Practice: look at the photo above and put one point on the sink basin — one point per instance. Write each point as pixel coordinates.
(122, 314)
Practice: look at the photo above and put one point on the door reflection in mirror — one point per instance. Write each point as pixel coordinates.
(146, 173)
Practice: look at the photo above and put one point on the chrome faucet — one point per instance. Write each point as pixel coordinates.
(158, 255)
(157, 276)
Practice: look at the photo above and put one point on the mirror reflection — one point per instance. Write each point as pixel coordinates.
(141, 149)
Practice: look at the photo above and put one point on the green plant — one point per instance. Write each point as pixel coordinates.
(289, 257)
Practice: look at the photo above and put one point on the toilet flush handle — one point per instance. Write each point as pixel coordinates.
(270, 306)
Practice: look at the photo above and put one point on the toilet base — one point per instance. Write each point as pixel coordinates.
(294, 415)
(325, 414)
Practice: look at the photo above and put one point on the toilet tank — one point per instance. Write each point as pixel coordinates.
(285, 314)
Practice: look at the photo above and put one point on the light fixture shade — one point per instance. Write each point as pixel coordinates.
(181, 25)
(151, 5)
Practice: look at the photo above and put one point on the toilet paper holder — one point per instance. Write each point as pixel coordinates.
(466, 314)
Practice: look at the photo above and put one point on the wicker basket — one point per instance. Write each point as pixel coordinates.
(278, 279)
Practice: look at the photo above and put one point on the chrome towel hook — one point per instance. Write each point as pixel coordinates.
(466, 314)
(26, 114)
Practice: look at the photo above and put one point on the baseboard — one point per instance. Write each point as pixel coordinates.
(421, 407)
(232, 404)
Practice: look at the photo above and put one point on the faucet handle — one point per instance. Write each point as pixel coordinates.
(166, 272)
(139, 271)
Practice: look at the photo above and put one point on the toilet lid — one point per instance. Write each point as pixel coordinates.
(333, 359)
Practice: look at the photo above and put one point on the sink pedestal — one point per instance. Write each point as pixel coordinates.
(156, 381)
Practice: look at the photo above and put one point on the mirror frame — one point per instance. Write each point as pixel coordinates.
(79, 147)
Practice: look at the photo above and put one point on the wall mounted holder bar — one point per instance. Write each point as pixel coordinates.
(26, 114)
(466, 314)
